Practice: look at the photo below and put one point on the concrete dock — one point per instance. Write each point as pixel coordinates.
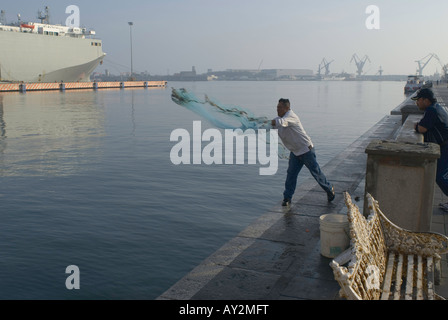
(278, 256)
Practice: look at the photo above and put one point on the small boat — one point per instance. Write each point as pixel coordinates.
(29, 26)
(334, 78)
(413, 84)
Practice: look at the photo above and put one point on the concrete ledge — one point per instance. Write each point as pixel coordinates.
(410, 151)
(407, 132)
(406, 102)
(410, 109)
(188, 286)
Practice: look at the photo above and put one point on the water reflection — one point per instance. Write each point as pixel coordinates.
(51, 133)
(133, 113)
(2, 130)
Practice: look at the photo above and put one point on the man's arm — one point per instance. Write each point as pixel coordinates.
(427, 122)
(419, 128)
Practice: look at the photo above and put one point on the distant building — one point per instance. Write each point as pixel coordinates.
(288, 74)
(293, 72)
(186, 74)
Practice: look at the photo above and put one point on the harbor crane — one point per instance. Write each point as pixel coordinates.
(359, 62)
(326, 65)
(444, 66)
(422, 64)
(429, 57)
(445, 71)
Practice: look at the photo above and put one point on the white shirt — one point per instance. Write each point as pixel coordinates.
(291, 131)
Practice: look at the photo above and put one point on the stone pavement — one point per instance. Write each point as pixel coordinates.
(278, 256)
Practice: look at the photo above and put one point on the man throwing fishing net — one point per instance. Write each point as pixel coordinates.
(294, 137)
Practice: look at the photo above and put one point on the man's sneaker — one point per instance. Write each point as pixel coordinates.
(331, 195)
(286, 202)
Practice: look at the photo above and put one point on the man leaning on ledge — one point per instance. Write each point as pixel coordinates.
(434, 127)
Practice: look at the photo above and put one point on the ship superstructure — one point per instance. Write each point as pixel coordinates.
(42, 52)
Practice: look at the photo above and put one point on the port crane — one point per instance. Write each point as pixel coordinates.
(359, 62)
(444, 67)
(422, 64)
(325, 65)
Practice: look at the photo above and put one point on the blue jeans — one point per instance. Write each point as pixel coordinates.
(442, 170)
(295, 165)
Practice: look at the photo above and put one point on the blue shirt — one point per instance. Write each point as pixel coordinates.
(435, 120)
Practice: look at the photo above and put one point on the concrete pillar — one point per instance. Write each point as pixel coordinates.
(409, 109)
(401, 177)
(22, 87)
(407, 131)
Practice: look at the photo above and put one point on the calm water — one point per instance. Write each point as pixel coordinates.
(86, 180)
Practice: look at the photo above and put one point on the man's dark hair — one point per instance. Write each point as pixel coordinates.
(284, 102)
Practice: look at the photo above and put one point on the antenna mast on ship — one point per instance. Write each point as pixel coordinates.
(44, 17)
(2, 17)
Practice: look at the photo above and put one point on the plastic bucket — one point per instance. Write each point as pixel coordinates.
(334, 234)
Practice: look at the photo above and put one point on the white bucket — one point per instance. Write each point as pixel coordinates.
(334, 234)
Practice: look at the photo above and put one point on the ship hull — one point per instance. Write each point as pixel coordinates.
(42, 58)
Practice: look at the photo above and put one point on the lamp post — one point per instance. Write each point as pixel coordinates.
(132, 67)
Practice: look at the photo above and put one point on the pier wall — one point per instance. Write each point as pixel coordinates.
(62, 86)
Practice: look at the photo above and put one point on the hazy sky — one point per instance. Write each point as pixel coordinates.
(170, 36)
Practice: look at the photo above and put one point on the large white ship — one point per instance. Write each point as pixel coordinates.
(42, 52)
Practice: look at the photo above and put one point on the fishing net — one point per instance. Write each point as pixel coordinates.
(235, 117)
